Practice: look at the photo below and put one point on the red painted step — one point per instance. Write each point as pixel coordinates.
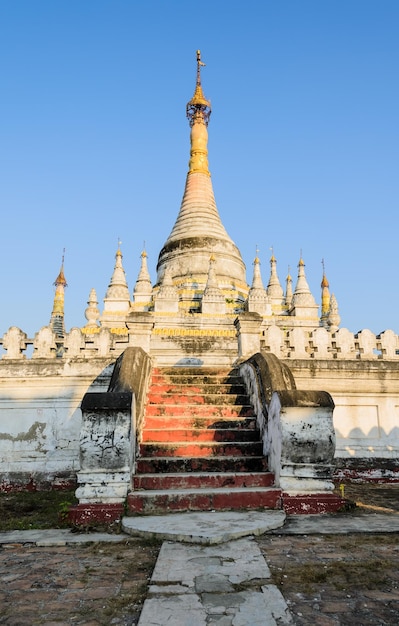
(211, 389)
(202, 480)
(207, 449)
(185, 398)
(200, 448)
(204, 410)
(152, 502)
(157, 435)
(201, 464)
(166, 422)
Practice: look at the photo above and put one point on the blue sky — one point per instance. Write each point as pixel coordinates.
(303, 143)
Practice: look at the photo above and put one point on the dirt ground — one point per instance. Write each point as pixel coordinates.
(326, 579)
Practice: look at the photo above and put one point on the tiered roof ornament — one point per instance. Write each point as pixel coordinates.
(334, 317)
(166, 299)
(274, 288)
(142, 291)
(288, 290)
(117, 298)
(92, 313)
(213, 300)
(303, 303)
(258, 301)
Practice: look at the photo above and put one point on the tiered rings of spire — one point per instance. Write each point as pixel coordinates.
(198, 232)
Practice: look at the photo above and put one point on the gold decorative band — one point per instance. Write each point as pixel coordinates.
(194, 332)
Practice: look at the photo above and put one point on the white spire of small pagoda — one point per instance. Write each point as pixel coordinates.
(334, 318)
(117, 287)
(117, 298)
(258, 300)
(302, 293)
(92, 312)
(213, 300)
(288, 290)
(274, 288)
(143, 288)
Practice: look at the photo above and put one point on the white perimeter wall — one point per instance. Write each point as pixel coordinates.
(40, 416)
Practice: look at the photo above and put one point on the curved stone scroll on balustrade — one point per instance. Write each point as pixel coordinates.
(110, 431)
(298, 434)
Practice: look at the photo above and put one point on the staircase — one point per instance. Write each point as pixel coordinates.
(200, 448)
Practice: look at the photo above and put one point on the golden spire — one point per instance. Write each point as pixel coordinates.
(198, 230)
(198, 112)
(324, 281)
(325, 295)
(61, 280)
(57, 314)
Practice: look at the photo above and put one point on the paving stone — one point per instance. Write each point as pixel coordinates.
(223, 583)
(52, 585)
(205, 528)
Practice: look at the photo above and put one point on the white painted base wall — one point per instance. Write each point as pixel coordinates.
(40, 416)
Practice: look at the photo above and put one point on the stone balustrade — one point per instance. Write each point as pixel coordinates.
(294, 343)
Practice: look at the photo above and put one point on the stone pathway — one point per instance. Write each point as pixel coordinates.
(223, 585)
(220, 575)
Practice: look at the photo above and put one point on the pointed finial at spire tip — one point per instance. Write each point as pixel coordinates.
(61, 280)
(199, 106)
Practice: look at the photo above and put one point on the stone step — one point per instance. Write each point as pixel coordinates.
(206, 449)
(198, 422)
(189, 370)
(187, 377)
(161, 435)
(200, 447)
(199, 388)
(219, 499)
(222, 464)
(196, 399)
(202, 480)
(202, 410)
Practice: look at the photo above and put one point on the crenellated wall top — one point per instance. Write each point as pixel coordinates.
(293, 343)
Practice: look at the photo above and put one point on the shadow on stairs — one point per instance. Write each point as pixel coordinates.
(200, 448)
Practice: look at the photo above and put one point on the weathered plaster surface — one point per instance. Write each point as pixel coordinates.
(40, 417)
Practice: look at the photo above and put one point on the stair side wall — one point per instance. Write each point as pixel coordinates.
(297, 426)
(108, 437)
